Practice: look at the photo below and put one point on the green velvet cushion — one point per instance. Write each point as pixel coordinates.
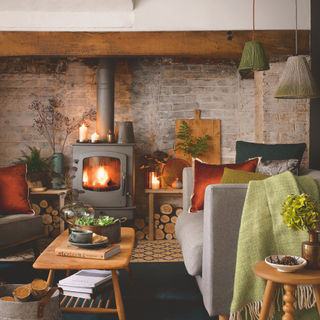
(247, 150)
(238, 176)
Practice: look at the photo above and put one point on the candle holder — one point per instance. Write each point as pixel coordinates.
(95, 141)
(83, 140)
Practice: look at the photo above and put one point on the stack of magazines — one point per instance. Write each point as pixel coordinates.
(86, 283)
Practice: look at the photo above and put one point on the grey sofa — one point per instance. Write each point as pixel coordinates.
(209, 238)
(20, 231)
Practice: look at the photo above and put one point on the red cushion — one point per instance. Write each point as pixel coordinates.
(14, 190)
(205, 174)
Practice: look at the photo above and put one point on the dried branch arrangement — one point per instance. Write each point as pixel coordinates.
(50, 123)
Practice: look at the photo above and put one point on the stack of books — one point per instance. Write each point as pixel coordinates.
(86, 284)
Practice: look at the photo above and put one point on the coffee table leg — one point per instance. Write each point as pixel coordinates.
(50, 278)
(117, 295)
(129, 271)
(289, 298)
(316, 289)
(267, 299)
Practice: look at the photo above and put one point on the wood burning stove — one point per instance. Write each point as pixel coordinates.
(106, 175)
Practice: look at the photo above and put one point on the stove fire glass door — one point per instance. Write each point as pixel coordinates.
(103, 178)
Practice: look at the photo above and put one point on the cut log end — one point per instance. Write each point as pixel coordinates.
(44, 204)
(22, 294)
(166, 208)
(36, 209)
(139, 235)
(139, 223)
(39, 288)
(179, 211)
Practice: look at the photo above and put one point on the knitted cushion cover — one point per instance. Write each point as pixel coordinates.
(247, 150)
(239, 176)
(205, 174)
(273, 167)
(14, 190)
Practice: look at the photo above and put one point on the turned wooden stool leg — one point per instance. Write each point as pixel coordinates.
(289, 299)
(316, 290)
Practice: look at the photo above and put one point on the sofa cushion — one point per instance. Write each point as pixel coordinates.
(189, 232)
(273, 167)
(239, 176)
(14, 191)
(247, 150)
(205, 174)
(18, 227)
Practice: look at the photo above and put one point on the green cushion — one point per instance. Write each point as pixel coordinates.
(247, 150)
(238, 176)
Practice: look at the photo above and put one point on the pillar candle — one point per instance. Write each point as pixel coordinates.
(155, 183)
(94, 136)
(83, 133)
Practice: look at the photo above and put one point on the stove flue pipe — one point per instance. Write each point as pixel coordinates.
(105, 97)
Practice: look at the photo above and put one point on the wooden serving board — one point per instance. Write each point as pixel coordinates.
(199, 128)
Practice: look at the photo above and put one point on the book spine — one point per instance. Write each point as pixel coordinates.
(79, 254)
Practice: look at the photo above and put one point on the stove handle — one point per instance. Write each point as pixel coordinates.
(124, 183)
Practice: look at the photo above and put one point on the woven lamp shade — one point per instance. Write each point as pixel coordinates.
(297, 81)
(253, 57)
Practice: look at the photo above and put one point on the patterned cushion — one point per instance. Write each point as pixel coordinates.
(247, 150)
(239, 176)
(273, 167)
(205, 174)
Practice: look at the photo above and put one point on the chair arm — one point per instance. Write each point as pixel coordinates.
(222, 215)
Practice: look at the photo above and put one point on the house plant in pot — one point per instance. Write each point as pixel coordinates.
(301, 212)
(37, 168)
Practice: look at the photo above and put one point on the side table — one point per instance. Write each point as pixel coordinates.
(302, 276)
(169, 192)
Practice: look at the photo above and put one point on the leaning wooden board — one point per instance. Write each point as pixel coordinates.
(199, 128)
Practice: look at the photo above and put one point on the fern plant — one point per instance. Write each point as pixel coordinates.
(188, 146)
(34, 161)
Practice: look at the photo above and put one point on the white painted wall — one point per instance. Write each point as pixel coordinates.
(150, 15)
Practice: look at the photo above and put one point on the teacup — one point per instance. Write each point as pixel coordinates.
(80, 236)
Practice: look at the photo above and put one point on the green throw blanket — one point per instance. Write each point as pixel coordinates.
(263, 232)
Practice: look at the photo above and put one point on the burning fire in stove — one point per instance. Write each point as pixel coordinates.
(99, 176)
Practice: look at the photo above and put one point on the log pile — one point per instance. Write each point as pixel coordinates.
(50, 217)
(164, 224)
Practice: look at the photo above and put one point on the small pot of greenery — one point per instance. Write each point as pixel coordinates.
(37, 167)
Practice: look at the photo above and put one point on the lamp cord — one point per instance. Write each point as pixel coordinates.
(296, 28)
(253, 20)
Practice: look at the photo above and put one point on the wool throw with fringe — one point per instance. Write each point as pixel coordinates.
(262, 233)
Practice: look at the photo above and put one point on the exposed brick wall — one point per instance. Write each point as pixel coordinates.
(152, 93)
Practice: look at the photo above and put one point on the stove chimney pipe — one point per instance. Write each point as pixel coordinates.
(105, 97)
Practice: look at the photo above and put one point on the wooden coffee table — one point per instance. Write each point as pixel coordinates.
(302, 276)
(49, 261)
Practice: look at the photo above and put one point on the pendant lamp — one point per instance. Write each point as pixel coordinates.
(297, 81)
(253, 55)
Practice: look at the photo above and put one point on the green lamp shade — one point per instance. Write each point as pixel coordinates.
(253, 57)
(296, 81)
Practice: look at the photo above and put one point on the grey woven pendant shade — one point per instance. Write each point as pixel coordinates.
(253, 57)
(297, 81)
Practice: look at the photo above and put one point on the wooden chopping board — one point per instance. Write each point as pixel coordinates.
(199, 128)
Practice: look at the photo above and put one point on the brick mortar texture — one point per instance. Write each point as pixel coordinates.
(151, 92)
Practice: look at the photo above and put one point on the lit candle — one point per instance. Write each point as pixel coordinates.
(94, 137)
(155, 183)
(83, 133)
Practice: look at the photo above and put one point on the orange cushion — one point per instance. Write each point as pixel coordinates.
(14, 190)
(205, 174)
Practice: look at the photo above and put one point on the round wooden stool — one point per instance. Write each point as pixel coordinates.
(302, 276)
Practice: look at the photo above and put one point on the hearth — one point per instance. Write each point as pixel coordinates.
(106, 175)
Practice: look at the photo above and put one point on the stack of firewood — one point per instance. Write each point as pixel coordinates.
(50, 217)
(164, 224)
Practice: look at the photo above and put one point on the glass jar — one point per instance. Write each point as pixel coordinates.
(75, 210)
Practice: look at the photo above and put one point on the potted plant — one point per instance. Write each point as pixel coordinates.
(301, 212)
(37, 167)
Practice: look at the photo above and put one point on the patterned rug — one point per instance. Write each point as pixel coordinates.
(144, 251)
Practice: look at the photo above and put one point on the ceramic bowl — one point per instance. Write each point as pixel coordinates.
(80, 236)
(285, 268)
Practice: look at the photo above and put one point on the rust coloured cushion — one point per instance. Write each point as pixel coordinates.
(14, 190)
(205, 174)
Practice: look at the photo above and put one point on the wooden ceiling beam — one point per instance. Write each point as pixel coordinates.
(204, 44)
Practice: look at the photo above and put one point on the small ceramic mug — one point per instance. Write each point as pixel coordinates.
(80, 236)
